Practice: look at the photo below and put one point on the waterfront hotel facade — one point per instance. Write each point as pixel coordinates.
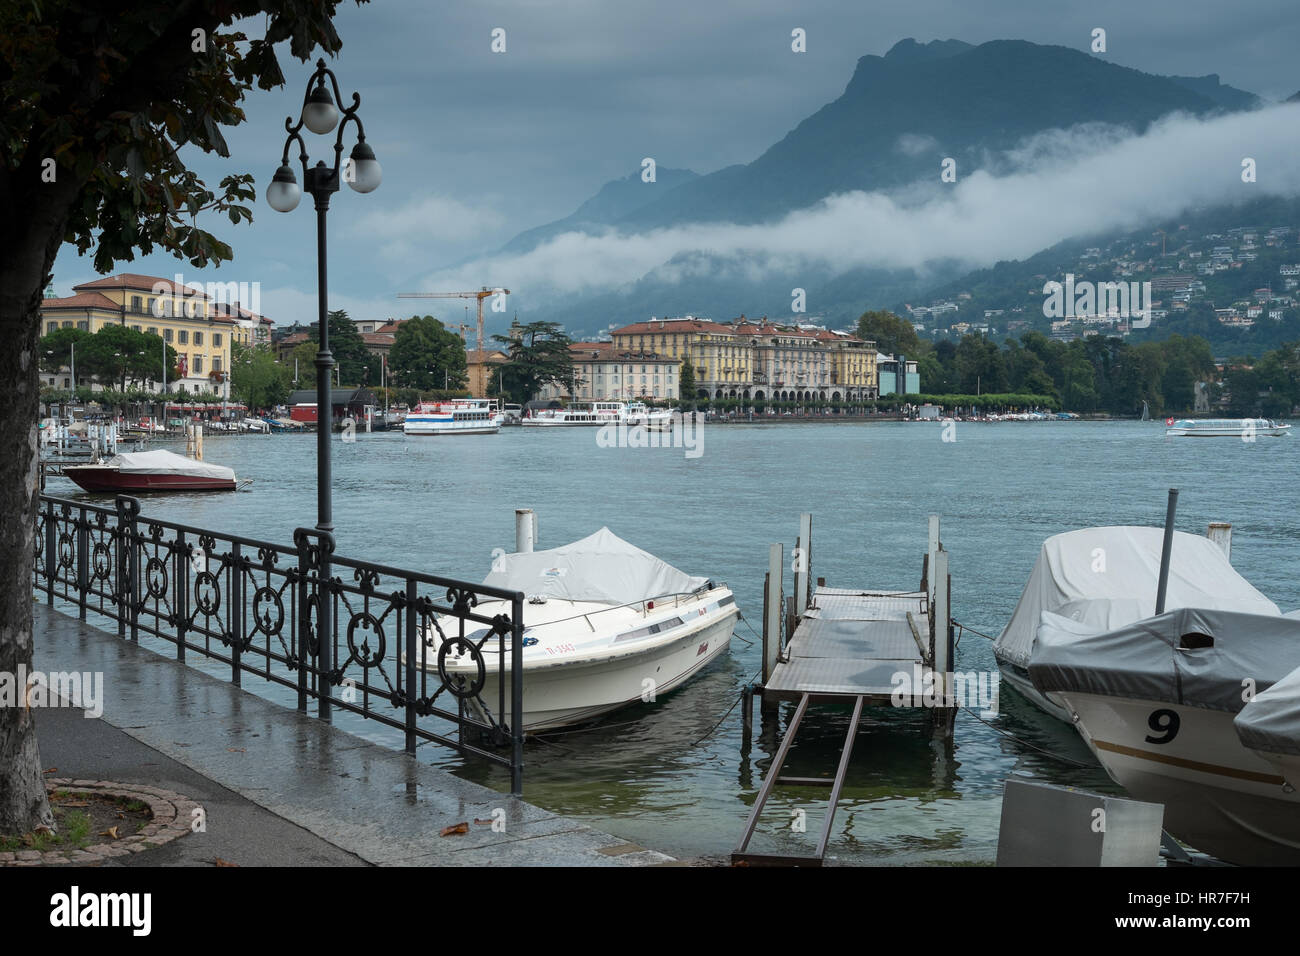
(759, 360)
(198, 327)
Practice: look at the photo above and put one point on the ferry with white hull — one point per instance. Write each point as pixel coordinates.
(606, 625)
(459, 417)
(577, 413)
(1225, 428)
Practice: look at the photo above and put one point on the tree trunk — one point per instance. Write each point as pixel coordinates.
(23, 803)
(27, 254)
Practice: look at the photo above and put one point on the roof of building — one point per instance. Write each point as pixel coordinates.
(339, 396)
(488, 356)
(83, 300)
(678, 325)
(140, 283)
(378, 338)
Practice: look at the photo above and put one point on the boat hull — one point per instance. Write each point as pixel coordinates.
(111, 480)
(1018, 678)
(419, 430)
(563, 695)
(1219, 797)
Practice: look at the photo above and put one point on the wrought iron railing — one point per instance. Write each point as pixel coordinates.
(262, 608)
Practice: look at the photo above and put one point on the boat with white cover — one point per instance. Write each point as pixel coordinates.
(606, 624)
(1156, 702)
(1225, 428)
(158, 470)
(1104, 578)
(1270, 725)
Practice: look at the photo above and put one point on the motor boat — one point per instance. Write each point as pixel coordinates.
(1104, 578)
(605, 624)
(654, 419)
(1269, 725)
(1244, 428)
(1156, 700)
(158, 470)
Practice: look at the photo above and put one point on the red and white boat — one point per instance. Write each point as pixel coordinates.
(158, 470)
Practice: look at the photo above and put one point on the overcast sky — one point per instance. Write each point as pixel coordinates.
(477, 146)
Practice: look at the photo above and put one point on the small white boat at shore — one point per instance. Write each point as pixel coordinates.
(1225, 428)
(1104, 578)
(1156, 702)
(606, 624)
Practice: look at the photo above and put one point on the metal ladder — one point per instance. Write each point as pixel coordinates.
(742, 855)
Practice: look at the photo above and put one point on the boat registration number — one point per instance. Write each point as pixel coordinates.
(561, 649)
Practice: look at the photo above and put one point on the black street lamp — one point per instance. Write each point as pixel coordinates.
(362, 173)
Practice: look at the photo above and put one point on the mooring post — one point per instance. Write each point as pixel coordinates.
(525, 530)
(942, 648)
(931, 550)
(1220, 532)
(803, 566)
(1166, 551)
(772, 611)
(746, 714)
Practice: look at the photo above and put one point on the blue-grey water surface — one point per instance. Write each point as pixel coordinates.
(654, 774)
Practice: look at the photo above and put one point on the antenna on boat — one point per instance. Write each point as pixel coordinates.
(1166, 550)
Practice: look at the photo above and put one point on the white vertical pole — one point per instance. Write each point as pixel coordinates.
(932, 550)
(772, 612)
(803, 564)
(940, 626)
(525, 530)
(1220, 532)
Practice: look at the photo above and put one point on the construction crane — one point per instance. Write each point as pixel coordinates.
(484, 293)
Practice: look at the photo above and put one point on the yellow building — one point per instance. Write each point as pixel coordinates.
(186, 319)
(759, 360)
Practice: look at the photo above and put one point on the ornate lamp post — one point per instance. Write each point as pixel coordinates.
(362, 172)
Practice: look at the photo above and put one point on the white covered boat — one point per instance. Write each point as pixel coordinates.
(1156, 701)
(606, 624)
(1270, 726)
(1245, 428)
(1104, 578)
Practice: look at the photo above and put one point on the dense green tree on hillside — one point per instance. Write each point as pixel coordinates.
(355, 362)
(427, 355)
(256, 378)
(538, 355)
(891, 334)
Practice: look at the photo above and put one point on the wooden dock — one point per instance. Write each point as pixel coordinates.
(848, 646)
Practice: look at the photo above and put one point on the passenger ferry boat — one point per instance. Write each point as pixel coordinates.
(1223, 427)
(465, 416)
(578, 413)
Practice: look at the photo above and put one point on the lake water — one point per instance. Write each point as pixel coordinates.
(661, 774)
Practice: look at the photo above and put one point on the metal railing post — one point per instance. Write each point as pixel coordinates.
(235, 585)
(51, 552)
(182, 577)
(83, 562)
(517, 696)
(324, 629)
(302, 618)
(411, 635)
